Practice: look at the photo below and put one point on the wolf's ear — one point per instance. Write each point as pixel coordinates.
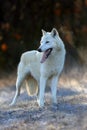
(43, 32)
(54, 32)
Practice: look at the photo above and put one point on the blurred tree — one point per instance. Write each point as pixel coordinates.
(21, 23)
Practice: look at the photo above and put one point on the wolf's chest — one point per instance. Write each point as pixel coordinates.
(49, 70)
(53, 66)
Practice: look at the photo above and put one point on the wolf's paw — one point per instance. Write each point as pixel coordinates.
(12, 104)
(40, 103)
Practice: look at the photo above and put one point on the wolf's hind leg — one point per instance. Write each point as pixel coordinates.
(31, 86)
(19, 82)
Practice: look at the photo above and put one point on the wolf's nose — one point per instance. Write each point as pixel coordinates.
(39, 49)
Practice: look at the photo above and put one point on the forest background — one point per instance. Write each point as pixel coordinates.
(21, 22)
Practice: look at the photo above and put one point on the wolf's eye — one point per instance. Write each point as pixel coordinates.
(47, 41)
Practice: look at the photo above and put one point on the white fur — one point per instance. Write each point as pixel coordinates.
(42, 73)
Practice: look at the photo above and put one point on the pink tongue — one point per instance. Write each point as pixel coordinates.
(43, 57)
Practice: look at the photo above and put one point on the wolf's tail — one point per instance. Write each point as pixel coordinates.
(31, 86)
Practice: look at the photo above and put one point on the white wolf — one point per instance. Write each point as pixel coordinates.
(42, 67)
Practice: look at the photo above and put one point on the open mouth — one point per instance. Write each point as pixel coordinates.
(46, 55)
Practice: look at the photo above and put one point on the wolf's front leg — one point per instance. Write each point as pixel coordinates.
(54, 84)
(42, 86)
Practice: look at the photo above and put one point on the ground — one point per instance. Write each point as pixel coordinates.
(70, 113)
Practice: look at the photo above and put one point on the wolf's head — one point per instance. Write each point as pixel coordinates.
(48, 43)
